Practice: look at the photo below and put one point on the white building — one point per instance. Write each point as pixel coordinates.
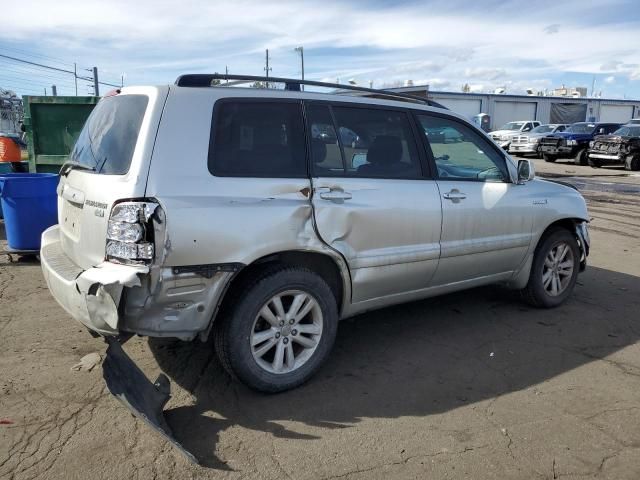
(504, 108)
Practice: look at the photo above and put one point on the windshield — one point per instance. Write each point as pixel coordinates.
(109, 136)
(631, 131)
(582, 128)
(542, 129)
(512, 126)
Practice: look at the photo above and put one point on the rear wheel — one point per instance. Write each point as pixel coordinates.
(581, 157)
(554, 271)
(549, 158)
(280, 331)
(632, 163)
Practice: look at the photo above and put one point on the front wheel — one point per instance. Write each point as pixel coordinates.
(581, 157)
(279, 332)
(594, 162)
(549, 158)
(632, 163)
(554, 271)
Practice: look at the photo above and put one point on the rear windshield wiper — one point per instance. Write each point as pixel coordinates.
(68, 166)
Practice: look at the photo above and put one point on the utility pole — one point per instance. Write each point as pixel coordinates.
(301, 50)
(226, 72)
(122, 80)
(54, 90)
(267, 68)
(96, 87)
(75, 76)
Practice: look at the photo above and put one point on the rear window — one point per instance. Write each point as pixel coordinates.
(258, 139)
(109, 136)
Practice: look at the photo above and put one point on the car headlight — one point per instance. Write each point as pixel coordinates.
(591, 143)
(534, 139)
(571, 142)
(504, 137)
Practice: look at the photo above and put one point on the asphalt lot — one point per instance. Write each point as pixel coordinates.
(470, 385)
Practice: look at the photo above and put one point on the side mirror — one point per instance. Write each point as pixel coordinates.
(526, 171)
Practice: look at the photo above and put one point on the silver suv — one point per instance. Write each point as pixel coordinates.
(189, 210)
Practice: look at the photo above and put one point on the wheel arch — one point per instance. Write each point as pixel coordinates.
(568, 223)
(332, 270)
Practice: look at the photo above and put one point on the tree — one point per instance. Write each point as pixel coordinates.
(466, 88)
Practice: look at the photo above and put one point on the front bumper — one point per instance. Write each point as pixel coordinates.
(90, 296)
(582, 232)
(611, 158)
(559, 151)
(523, 148)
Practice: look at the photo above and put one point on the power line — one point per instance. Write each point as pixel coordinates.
(36, 83)
(28, 53)
(36, 64)
(30, 76)
(48, 67)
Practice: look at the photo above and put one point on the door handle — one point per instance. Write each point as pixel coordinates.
(454, 195)
(336, 195)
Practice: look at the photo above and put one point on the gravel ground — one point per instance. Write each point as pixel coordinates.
(470, 385)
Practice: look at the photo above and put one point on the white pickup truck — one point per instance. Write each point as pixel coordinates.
(504, 134)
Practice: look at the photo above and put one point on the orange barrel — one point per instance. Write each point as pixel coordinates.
(9, 150)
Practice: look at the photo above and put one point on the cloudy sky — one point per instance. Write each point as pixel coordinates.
(444, 43)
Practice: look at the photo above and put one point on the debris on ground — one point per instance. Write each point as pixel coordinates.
(88, 362)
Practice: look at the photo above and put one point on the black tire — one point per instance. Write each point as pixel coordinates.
(233, 329)
(594, 162)
(581, 157)
(549, 158)
(632, 163)
(534, 293)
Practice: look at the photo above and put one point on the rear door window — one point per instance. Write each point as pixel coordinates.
(257, 139)
(108, 139)
(326, 157)
(372, 142)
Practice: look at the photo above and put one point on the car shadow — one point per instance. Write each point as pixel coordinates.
(416, 359)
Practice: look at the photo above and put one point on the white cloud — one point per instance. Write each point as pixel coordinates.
(610, 79)
(551, 29)
(485, 73)
(154, 40)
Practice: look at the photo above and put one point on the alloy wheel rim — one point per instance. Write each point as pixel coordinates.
(557, 269)
(286, 331)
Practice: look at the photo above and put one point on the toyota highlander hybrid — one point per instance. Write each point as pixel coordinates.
(189, 210)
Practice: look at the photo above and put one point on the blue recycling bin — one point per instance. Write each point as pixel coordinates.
(7, 167)
(29, 204)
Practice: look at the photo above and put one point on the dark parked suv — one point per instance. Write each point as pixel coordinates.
(574, 142)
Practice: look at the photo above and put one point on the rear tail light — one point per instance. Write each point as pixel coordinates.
(130, 234)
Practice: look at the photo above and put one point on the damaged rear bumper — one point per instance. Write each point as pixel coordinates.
(111, 299)
(90, 296)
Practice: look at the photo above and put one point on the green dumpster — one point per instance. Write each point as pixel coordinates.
(53, 125)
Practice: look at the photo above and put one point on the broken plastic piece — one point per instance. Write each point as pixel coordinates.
(146, 400)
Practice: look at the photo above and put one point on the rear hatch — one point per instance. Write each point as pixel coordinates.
(109, 162)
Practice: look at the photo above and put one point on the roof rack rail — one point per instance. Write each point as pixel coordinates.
(292, 84)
